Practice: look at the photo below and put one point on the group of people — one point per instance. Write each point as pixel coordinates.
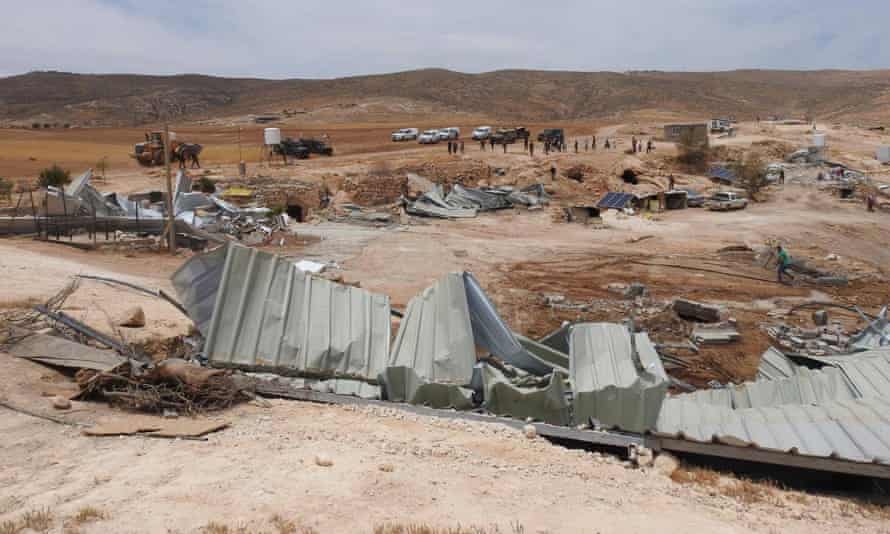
(455, 146)
(638, 145)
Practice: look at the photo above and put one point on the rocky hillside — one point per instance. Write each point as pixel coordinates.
(123, 99)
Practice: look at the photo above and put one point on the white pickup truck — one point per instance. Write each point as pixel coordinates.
(405, 134)
(725, 201)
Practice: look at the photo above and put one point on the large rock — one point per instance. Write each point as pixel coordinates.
(132, 318)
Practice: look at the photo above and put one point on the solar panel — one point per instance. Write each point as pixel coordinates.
(615, 200)
(722, 173)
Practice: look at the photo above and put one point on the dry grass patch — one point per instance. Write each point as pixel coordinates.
(748, 492)
(696, 475)
(38, 520)
(88, 514)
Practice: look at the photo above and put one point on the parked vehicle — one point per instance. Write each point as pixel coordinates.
(552, 135)
(694, 199)
(429, 137)
(292, 148)
(481, 133)
(447, 134)
(405, 134)
(317, 146)
(725, 201)
(508, 136)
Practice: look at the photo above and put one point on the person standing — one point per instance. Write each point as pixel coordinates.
(449, 147)
(782, 263)
(552, 173)
(782, 176)
(525, 143)
(531, 149)
(505, 146)
(671, 182)
(491, 141)
(593, 144)
(576, 146)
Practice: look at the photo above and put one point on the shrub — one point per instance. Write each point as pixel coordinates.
(206, 185)
(751, 174)
(54, 176)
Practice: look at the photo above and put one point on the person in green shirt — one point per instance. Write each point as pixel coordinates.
(783, 262)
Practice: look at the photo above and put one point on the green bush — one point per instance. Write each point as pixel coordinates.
(206, 185)
(5, 188)
(54, 176)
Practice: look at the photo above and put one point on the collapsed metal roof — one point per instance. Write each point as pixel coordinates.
(617, 378)
(435, 337)
(270, 315)
(855, 429)
(805, 387)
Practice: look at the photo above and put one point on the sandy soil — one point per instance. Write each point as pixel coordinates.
(388, 466)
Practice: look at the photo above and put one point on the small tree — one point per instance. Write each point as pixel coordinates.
(5, 188)
(54, 176)
(206, 185)
(750, 174)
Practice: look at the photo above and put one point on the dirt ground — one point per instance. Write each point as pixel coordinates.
(388, 466)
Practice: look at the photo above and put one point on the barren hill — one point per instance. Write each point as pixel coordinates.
(124, 99)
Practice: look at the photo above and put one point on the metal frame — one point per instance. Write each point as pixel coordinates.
(601, 438)
(593, 437)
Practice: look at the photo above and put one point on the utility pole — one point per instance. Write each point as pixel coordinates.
(171, 217)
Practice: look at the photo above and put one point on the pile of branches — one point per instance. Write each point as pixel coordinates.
(170, 385)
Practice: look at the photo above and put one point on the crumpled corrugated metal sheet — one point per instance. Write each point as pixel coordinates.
(435, 337)
(806, 387)
(464, 197)
(875, 336)
(402, 384)
(868, 373)
(613, 383)
(270, 315)
(775, 365)
(433, 204)
(545, 403)
(552, 358)
(856, 430)
(491, 333)
(197, 282)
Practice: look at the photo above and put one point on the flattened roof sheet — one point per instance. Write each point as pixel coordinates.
(775, 365)
(269, 314)
(856, 430)
(806, 387)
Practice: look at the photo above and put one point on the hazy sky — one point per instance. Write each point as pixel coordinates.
(331, 38)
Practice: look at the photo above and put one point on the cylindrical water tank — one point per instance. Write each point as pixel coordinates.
(819, 139)
(272, 136)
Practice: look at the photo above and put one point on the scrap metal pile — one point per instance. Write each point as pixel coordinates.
(465, 202)
(201, 216)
